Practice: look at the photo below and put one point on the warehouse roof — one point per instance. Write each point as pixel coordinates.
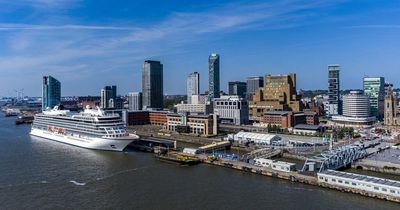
(260, 136)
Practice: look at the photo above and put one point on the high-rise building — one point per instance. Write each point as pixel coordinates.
(193, 86)
(356, 104)
(51, 92)
(213, 76)
(152, 85)
(278, 94)
(253, 84)
(237, 88)
(356, 111)
(334, 103)
(374, 88)
(108, 97)
(135, 101)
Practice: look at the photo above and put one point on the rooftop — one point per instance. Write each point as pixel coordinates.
(256, 135)
(277, 112)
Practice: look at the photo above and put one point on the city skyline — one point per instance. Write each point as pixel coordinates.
(77, 43)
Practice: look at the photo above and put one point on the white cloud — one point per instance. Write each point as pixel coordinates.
(383, 26)
(5, 26)
(80, 50)
(41, 4)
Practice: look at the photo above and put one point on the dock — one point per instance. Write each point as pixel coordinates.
(178, 157)
(148, 144)
(293, 176)
(216, 146)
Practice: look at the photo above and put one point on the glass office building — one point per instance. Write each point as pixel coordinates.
(213, 79)
(374, 88)
(152, 85)
(51, 92)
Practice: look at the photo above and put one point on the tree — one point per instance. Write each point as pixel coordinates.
(269, 128)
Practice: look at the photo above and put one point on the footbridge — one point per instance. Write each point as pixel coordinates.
(335, 158)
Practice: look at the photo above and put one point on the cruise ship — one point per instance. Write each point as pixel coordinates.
(92, 128)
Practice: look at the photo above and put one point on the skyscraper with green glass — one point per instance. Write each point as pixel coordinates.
(213, 76)
(51, 92)
(374, 88)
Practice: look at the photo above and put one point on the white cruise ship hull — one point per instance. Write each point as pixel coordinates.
(116, 144)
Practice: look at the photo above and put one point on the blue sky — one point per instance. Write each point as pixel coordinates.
(89, 44)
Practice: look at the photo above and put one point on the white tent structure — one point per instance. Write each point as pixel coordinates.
(256, 138)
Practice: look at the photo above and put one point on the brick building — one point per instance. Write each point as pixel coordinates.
(288, 119)
(278, 94)
(205, 125)
(146, 118)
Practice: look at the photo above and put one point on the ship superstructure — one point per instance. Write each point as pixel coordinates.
(91, 128)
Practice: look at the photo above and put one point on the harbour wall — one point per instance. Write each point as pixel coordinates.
(294, 177)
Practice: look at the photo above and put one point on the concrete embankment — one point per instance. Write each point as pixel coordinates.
(377, 166)
(294, 157)
(310, 179)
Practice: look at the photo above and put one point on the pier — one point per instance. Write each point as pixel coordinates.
(294, 176)
(148, 144)
(216, 146)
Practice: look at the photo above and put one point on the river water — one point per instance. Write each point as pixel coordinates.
(37, 173)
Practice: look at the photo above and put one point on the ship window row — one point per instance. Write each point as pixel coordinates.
(67, 124)
(63, 118)
(77, 123)
(97, 132)
(116, 129)
(80, 119)
(109, 132)
(116, 120)
(76, 132)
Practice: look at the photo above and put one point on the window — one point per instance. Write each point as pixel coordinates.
(333, 180)
(392, 191)
(346, 182)
(340, 181)
(376, 188)
(354, 184)
(384, 189)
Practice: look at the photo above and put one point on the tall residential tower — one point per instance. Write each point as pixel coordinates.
(135, 101)
(51, 92)
(213, 76)
(108, 97)
(193, 86)
(334, 104)
(152, 85)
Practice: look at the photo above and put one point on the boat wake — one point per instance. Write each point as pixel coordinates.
(77, 183)
(124, 171)
(109, 176)
(23, 184)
